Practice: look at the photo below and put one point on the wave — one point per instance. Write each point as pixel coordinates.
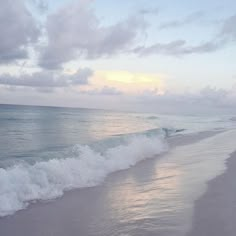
(85, 167)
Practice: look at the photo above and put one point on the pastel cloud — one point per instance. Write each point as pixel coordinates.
(178, 48)
(74, 31)
(209, 100)
(18, 30)
(184, 21)
(229, 30)
(47, 79)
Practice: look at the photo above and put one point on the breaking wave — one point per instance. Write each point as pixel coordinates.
(86, 166)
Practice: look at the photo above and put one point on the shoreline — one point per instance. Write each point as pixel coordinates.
(215, 211)
(78, 211)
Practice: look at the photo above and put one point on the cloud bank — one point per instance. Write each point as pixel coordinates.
(47, 79)
(74, 31)
(209, 100)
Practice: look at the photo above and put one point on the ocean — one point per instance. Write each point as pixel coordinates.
(46, 152)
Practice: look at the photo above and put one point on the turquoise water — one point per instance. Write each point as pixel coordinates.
(27, 132)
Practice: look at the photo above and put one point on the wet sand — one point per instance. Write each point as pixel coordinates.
(215, 211)
(96, 210)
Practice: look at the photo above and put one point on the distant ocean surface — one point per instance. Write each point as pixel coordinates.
(45, 151)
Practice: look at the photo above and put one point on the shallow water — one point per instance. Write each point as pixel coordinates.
(157, 197)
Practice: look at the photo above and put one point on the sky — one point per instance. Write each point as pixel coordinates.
(151, 56)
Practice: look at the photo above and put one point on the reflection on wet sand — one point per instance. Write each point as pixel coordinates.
(145, 200)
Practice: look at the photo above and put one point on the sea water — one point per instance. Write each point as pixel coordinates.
(45, 151)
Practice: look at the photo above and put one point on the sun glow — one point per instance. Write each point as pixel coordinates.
(129, 82)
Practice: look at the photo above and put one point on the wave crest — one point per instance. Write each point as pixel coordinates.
(24, 183)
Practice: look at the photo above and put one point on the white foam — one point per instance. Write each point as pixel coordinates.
(22, 184)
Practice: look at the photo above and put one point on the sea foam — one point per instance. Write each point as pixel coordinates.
(25, 183)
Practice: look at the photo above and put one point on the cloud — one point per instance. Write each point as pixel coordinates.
(185, 21)
(44, 80)
(177, 48)
(149, 11)
(228, 31)
(106, 90)
(75, 31)
(81, 76)
(227, 34)
(41, 5)
(209, 100)
(18, 29)
(38, 79)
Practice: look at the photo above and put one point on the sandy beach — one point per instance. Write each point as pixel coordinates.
(129, 199)
(215, 211)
